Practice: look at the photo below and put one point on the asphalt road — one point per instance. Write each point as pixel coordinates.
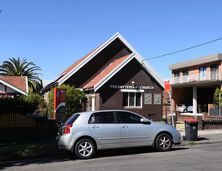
(204, 157)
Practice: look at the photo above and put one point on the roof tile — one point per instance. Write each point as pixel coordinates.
(16, 81)
(76, 63)
(104, 71)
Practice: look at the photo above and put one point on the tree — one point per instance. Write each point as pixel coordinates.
(21, 67)
(75, 99)
(217, 93)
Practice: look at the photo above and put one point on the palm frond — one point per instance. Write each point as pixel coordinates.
(21, 67)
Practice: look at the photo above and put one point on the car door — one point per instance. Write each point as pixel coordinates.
(105, 129)
(134, 132)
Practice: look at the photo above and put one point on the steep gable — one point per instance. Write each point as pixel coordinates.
(95, 66)
(84, 72)
(17, 83)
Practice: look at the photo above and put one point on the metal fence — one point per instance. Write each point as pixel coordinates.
(215, 112)
(208, 76)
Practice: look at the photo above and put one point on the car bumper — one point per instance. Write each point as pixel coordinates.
(65, 142)
(177, 138)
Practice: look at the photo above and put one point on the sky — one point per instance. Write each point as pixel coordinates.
(55, 33)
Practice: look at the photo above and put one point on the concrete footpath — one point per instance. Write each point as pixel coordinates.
(204, 137)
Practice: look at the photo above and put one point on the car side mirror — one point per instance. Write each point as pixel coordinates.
(145, 121)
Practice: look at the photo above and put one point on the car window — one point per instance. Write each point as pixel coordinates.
(102, 118)
(126, 117)
(72, 119)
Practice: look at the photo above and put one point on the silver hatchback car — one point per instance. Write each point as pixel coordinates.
(84, 133)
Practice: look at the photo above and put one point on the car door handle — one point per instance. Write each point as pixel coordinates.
(125, 126)
(95, 126)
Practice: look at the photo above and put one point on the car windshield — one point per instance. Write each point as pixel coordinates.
(72, 119)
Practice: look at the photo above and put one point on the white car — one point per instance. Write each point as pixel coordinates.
(86, 132)
(190, 109)
(182, 108)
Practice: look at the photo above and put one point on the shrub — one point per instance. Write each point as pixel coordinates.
(35, 103)
(217, 93)
(75, 99)
(31, 104)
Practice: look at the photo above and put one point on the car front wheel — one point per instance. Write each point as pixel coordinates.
(163, 142)
(84, 149)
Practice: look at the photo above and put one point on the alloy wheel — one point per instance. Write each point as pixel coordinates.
(163, 142)
(84, 148)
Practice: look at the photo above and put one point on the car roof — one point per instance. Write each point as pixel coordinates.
(108, 110)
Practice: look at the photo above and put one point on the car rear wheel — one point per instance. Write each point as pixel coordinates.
(163, 142)
(84, 149)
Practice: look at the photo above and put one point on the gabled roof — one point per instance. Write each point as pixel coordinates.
(80, 63)
(17, 83)
(76, 63)
(104, 72)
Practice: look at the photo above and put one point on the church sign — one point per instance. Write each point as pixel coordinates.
(132, 87)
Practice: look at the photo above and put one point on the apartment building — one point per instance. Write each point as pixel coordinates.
(194, 82)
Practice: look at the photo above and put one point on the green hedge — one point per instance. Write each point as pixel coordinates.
(24, 105)
(15, 106)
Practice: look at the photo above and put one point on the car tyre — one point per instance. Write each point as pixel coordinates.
(84, 149)
(163, 142)
(185, 111)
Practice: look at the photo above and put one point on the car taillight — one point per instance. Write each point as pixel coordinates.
(67, 128)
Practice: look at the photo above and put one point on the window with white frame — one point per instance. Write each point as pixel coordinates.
(132, 99)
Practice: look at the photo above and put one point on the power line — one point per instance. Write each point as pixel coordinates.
(181, 50)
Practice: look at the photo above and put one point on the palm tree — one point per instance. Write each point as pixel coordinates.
(18, 67)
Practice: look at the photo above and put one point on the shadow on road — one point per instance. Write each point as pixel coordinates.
(131, 151)
(65, 156)
(59, 158)
(202, 138)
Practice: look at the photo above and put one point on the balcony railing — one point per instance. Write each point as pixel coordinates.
(209, 76)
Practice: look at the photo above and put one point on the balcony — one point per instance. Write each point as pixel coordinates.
(209, 77)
